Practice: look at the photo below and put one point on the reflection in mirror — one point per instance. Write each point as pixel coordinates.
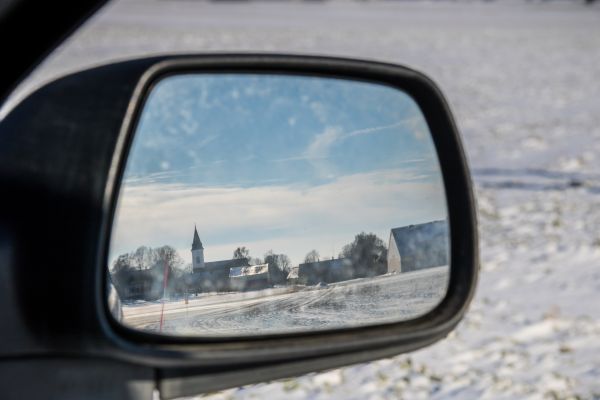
(258, 204)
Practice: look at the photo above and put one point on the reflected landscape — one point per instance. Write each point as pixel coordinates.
(258, 204)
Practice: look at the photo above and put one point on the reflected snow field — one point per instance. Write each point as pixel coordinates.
(386, 298)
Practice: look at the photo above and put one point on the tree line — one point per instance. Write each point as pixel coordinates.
(141, 273)
(367, 256)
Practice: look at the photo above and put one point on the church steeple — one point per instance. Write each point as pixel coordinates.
(196, 244)
(197, 252)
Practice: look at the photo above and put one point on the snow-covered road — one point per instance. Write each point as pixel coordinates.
(524, 81)
(386, 298)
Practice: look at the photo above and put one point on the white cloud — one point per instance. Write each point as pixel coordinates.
(375, 129)
(289, 219)
(320, 145)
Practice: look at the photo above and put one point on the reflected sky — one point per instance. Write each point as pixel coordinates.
(275, 162)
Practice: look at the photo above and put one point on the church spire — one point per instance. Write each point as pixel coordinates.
(196, 244)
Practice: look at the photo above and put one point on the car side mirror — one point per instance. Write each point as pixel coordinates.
(239, 218)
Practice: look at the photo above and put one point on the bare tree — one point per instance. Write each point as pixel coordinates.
(279, 266)
(285, 264)
(167, 254)
(241, 252)
(312, 256)
(367, 253)
(122, 263)
(255, 261)
(149, 269)
(143, 257)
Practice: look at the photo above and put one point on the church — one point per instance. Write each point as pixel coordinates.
(223, 275)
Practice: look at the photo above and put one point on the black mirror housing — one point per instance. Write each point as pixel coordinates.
(62, 155)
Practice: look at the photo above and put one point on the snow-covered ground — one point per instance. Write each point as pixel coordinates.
(385, 298)
(523, 79)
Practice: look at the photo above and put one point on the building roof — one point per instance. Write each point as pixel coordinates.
(407, 235)
(293, 273)
(234, 262)
(422, 245)
(253, 270)
(196, 244)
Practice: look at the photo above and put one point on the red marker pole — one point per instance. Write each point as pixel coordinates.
(165, 280)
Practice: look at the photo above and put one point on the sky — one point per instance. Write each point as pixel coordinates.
(274, 162)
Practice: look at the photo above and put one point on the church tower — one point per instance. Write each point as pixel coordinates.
(197, 252)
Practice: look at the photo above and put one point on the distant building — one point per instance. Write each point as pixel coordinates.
(253, 277)
(214, 276)
(211, 276)
(292, 277)
(197, 252)
(419, 246)
(327, 271)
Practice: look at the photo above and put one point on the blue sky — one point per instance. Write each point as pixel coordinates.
(314, 157)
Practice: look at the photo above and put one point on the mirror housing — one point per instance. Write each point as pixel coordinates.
(62, 155)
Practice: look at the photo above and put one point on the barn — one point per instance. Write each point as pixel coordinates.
(420, 246)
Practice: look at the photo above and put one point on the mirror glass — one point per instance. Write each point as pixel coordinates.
(258, 204)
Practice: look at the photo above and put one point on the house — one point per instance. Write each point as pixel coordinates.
(254, 277)
(420, 246)
(327, 271)
(292, 278)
